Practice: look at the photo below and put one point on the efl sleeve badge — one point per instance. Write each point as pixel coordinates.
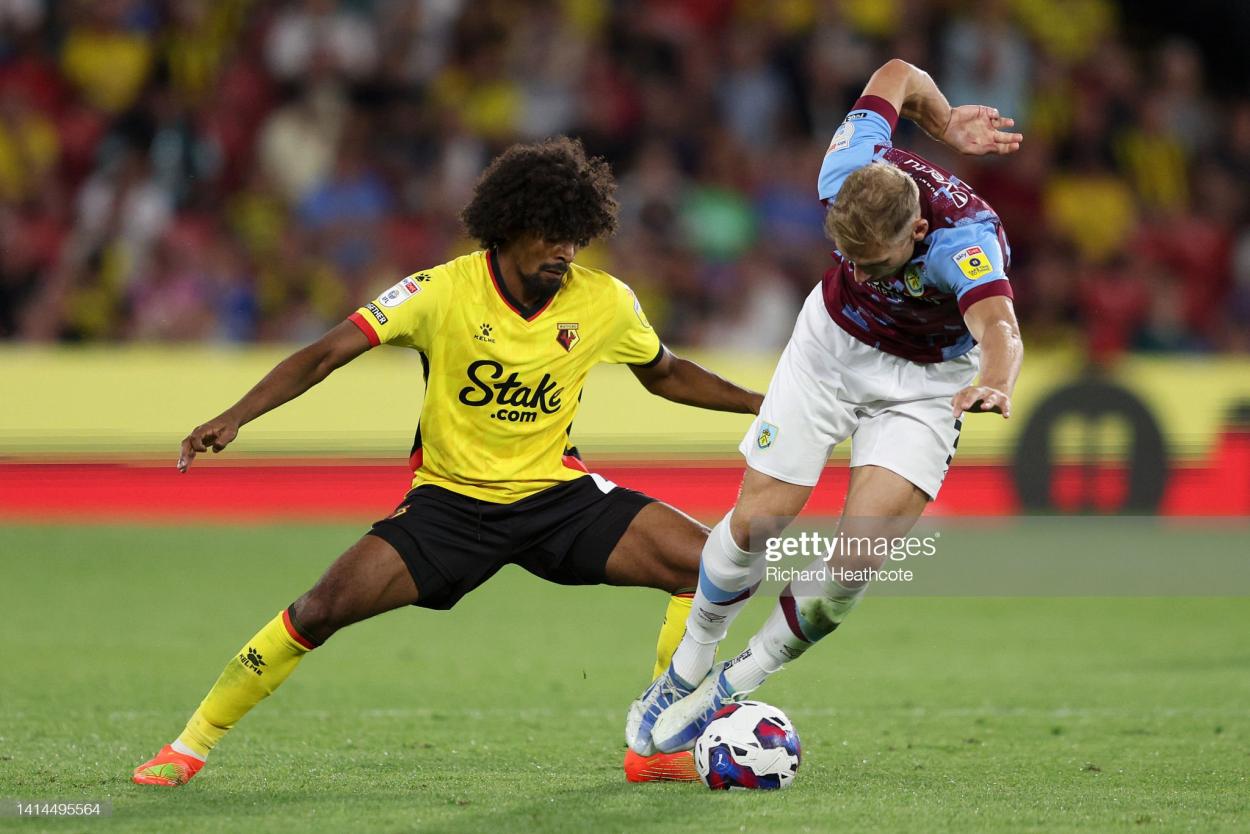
(402, 291)
(973, 262)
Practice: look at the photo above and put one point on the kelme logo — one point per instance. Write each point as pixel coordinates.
(252, 659)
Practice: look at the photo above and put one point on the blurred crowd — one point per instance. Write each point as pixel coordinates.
(234, 171)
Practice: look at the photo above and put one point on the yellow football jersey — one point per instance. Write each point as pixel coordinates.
(502, 383)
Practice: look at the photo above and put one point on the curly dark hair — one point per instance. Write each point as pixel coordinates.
(550, 189)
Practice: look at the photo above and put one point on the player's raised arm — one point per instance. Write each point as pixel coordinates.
(689, 383)
(992, 322)
(289, 378)
(971, 128)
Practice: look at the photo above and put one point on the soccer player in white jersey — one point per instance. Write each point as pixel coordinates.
(886, 352)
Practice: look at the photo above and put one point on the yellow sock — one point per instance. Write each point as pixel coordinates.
(260, 667)
(671, 631)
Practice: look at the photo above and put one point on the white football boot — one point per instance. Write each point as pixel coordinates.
(679, 726)
(667, 689)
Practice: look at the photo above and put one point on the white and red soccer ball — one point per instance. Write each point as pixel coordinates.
(749, 745)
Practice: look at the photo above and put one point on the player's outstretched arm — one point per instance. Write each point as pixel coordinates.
(992, 322)
(971, 128)
(689, 383)
(289, 378)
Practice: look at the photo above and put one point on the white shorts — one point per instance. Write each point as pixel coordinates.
(829, 386)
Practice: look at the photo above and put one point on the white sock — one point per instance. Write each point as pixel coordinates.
(797, 622)
(691, 657)
(751, 668)
(728, 575)
(179, 747)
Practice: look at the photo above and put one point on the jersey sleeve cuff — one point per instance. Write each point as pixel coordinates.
(881, 107)
(999, 286)
(659, 354)
(366, 328)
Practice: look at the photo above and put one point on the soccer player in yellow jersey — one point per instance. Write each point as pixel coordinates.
(506, 335)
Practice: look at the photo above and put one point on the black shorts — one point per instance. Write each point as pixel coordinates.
(452, 543)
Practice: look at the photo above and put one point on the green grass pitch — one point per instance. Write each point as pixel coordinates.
(921, 714)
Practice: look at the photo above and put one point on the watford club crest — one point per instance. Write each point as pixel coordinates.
(567, 335)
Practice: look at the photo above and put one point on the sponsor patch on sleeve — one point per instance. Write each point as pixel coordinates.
(400, 293)
(842, 138)
(642, 317)
(973, 262)
(376, 313)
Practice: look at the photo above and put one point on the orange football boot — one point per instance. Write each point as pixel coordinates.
(168, 768)
(661, 767)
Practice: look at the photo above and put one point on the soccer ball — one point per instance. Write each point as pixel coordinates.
(748, 744)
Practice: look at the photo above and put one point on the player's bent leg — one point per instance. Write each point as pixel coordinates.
(732, 566)
(880, 503)
(368, 579)
(877, 492)
(728, 576)
(765, 507)
(671, 629)
(663, 767)
(659, 549)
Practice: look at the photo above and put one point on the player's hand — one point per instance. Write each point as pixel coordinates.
(979, 399)
(978, 130)
(216, 434)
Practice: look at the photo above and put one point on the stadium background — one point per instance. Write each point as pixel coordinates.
(189, 189)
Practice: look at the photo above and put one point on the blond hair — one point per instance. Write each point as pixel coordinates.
(875, 207)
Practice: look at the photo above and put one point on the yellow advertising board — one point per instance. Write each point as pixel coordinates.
(144, 400)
